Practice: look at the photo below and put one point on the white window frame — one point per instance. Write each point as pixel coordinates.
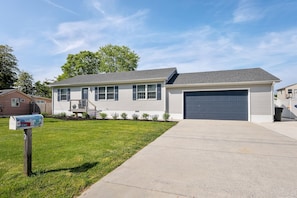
(107, 93)
(146, 92)
(15, 102)
(63, 94)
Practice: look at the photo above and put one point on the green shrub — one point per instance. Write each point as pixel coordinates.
(124, 116)
(166, 116)
(135, 116)
(155, 117)
(44, 114)
(103, 115)
(145, 116)
(115, 116)
(85, 115)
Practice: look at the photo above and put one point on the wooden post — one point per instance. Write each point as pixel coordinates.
(28, 152)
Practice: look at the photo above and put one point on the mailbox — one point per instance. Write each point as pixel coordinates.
(25, 121)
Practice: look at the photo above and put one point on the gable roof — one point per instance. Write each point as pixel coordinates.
(287, 86)
(226, 76)
(9, 91)
(118, 77)
(5, 91)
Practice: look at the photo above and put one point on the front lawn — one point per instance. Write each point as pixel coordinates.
(69, 156)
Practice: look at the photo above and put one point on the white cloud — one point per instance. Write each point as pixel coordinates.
(60, 7)
(202, 49)
(246, 11)
(89, 35)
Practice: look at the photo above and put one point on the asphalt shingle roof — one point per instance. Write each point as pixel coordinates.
(227, 76)
(118, 77)
(5, 91)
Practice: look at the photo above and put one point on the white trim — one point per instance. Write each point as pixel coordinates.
(141, 81)
(261, 118)
(146, 91)
(105, 92)
(220, 84)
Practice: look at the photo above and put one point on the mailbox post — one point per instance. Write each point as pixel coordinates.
(26, 122)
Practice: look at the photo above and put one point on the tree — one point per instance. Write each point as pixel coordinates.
(84, 62)
(117, 59)
(25, 83)
(42, 89)
(8, 67)
(109, 58)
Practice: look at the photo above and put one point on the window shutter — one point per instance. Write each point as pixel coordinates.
(116, 93)
(158, 91)
(96, 93)
(59, 94)
(68, 94)
(134, 92)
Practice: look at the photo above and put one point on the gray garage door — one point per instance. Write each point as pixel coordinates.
(216, 105)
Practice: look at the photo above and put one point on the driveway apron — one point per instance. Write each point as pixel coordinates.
(205, 158)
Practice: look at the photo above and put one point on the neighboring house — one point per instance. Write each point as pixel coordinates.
(287, 92)
(15, 102)
(245, 94)
(42, 104)
(287, 99)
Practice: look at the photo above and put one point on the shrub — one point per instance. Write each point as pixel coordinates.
(44, 114)
(135, 116)
(85, 115)
(124, 116)
(115, 116)
(166, 116)
(103, 116)
(145, 116)
(62, 115)
(155, 117)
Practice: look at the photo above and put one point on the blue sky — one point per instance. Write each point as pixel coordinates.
(192, 35)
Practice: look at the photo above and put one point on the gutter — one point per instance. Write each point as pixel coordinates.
(110, 82)
(222, 83)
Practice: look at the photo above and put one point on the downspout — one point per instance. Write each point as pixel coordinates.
(53, 101)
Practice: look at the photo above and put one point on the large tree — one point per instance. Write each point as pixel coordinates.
(42, 89)
(109, 58)
(25, 83)
(115, 58)
(8, 67)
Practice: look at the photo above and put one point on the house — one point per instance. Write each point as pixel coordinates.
(287, 92)
(42, 104)
(245, 94)
(15, 102)
(287, 99)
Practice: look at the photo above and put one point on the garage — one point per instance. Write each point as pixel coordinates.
(216, 105)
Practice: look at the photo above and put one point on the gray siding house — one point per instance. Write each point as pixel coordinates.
(245, 94)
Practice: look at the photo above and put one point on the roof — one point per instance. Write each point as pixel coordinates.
(118, 77)
(8, 91)
(287, 87)
(5, 91)
(227, 76)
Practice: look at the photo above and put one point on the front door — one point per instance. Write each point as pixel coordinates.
(84, 97)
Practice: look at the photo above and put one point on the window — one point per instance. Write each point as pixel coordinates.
(141, 94)
(110, 93)
(15, 102)
(106, 93)
(101, 93)
(144, 92)
(63, 94)
(151, 91)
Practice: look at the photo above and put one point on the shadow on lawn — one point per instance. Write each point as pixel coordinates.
(78, 169)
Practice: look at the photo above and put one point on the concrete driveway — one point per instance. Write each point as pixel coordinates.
(204, 158)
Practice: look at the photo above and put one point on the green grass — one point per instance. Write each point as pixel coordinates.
(69, 156)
